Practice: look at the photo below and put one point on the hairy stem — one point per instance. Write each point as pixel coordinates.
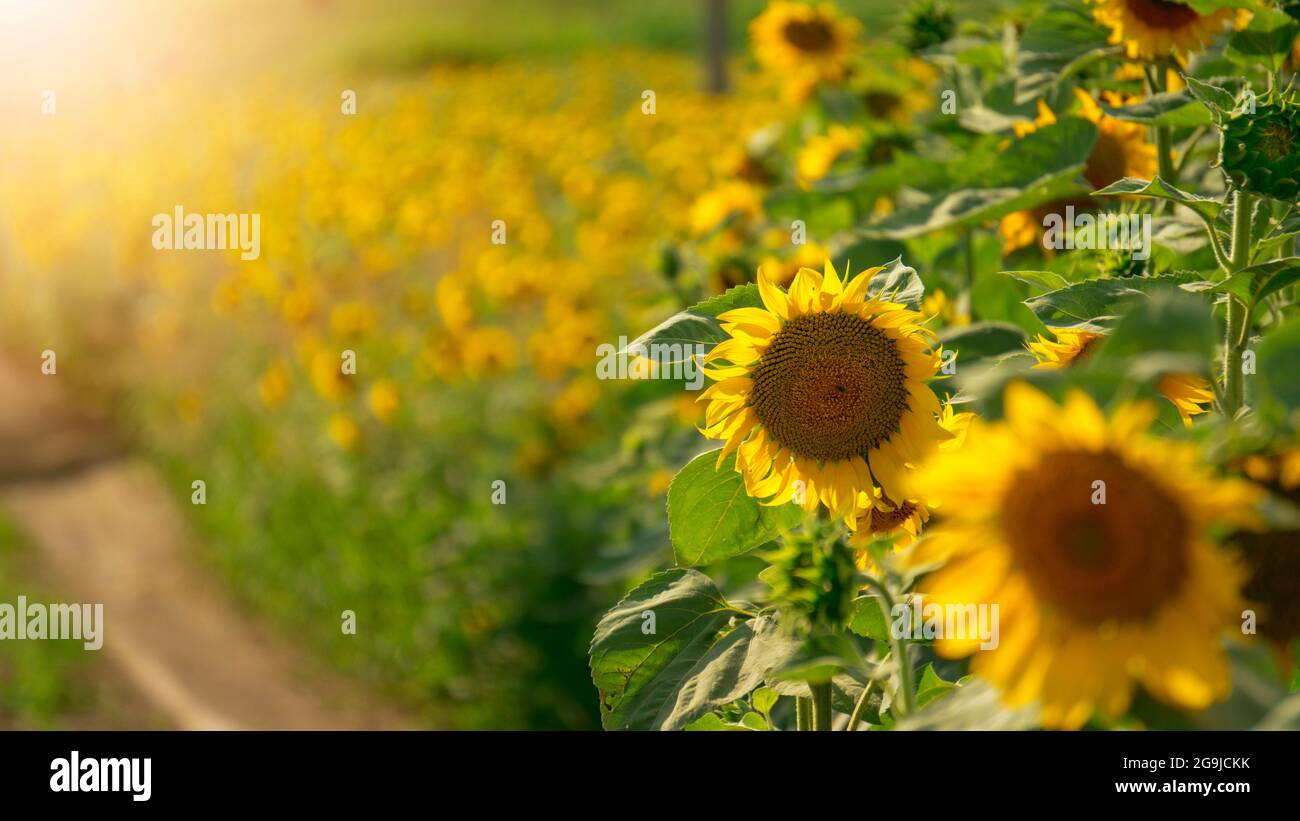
(1235, 336)
(802, 714)
(821, 705)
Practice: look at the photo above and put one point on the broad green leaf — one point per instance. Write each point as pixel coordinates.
(637, 673)
(819, 659)
(1175, 109)
(1056, 43)
(1038, 168)
(730, 669)
(1002, 299)
(1085, 302)
(898, 283)
(1169, 321)
(846, 687)
(983, 339)
(677, 334)
(1266, 41)
(1159, 189)
(1277, 377)
(972, 706)
(1252, 284)
(711, 517)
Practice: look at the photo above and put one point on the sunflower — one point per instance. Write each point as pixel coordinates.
(880, 517)
(820, 152)
(1121, 150)
(1191, 394)
(821, 392)
(1094, 592)
(804, 43)
(1152, 29)
(1071, 344)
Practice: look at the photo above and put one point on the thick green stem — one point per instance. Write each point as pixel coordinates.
(1235, 336)
(1165, 154)
(802, 714)
(821, 705)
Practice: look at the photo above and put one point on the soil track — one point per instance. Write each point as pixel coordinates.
(104, 529)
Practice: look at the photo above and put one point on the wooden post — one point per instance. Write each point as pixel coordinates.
(715, 45)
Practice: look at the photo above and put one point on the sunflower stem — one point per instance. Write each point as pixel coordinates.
(1238, 321)
(802, 713)
(821, 705)
(1165, 154)
(898, 645)
(861, 707)
(968, 242)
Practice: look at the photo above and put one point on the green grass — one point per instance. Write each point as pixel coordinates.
(40, 681)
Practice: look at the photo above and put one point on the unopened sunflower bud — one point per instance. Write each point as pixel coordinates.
(1259, 150)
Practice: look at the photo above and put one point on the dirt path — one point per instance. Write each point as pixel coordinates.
(105, 530)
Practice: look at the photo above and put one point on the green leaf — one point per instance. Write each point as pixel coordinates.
(1266, 41)
(1169, 322)
(712, 722)
(678, 334)
(1218, 100)
(972, 706)
(983, 339)
(1176, 109)
(1056, 43)
(764, 699)
(741, 296)
(1159, 189)
(868, 620)
(1038, 168)
(817, 660)
(639, 674)
(1277, 375)
(1252, 284)
(730, 669)
(898, 283)
(1041, 280)
(711, 517)
(1085, 302)
(931, 687)
(1002, 299)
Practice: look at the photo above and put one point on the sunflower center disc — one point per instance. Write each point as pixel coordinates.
(830, 386)
(808, 35)
(1120, 558)
(1162, 14)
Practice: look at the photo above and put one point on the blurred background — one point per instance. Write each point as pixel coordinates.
(371, 493)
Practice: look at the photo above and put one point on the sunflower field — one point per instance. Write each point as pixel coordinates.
(938, 370)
